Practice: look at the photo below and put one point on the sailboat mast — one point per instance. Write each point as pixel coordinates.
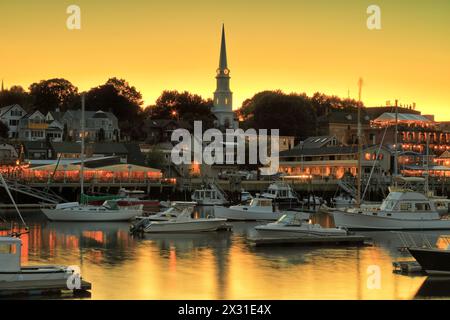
(82, 146)
(427, 175)
(359, 135)
(396, 145)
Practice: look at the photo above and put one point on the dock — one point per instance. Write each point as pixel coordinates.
(354, 240)
(407, 267)
(32, 288)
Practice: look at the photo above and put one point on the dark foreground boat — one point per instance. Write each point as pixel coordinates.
(432, 260)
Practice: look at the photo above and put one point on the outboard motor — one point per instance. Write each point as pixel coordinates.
(139, 226)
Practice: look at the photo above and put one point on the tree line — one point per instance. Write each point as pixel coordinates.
(293, 114)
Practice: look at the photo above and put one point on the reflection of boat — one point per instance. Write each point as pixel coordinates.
(293, 225)
(209, 196)
(258, 209)
(433, 286)
(109, 211)
(401, 210)
(185, 223)
(432, 260)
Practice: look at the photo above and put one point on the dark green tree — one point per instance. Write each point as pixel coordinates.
(15, 95)
(182, 106)
(4, 130)
(54, 93)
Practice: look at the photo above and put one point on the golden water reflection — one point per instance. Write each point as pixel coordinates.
(216, 265)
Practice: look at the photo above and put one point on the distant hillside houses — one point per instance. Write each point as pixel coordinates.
(59, 126)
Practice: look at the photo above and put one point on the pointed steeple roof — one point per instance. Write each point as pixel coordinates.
(223, 51)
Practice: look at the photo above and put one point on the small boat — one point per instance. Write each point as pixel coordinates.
(258, 209)
(402, 209)
(185, 223)
(126, 198)
(281, 192)
(343, 201)
(209, 196)
(109, 211)
(432, 260)
(175, 209)
(11, 270)
(293, 225)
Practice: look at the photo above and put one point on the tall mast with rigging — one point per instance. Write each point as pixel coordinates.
(359, 137)
(82, 148)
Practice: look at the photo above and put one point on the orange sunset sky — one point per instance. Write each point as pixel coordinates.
(295, 46)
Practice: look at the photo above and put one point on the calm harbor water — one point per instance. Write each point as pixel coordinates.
(221, 265)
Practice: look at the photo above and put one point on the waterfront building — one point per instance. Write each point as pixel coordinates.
(414, 132)
(223, 97)
(10, 116)
(344, 126)
(335, 161)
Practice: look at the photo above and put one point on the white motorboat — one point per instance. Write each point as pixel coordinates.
(11, 270)
(343, 201)
(292, 225)
(401, 210)
(209, 196)
(185, 223)
(109, 211)
(281, 192)
(258, 209)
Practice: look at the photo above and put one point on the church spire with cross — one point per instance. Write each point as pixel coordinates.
(223, 97)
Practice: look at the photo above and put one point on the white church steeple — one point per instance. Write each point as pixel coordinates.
(223, 97)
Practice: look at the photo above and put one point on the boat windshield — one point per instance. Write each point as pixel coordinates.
(290, 219)
(261, 203)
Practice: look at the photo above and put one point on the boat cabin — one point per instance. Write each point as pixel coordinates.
(10, 254)
(206, 194)
(279, 191)
(261, 202)
(408, 202)
(293, 219)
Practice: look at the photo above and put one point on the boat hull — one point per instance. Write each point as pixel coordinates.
(356, 221)
(79, 215)
(37, 273)
(197, 225)
(299, 232)
(433, 261)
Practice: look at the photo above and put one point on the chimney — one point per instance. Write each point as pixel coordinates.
(396, 102)
(414, 106)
